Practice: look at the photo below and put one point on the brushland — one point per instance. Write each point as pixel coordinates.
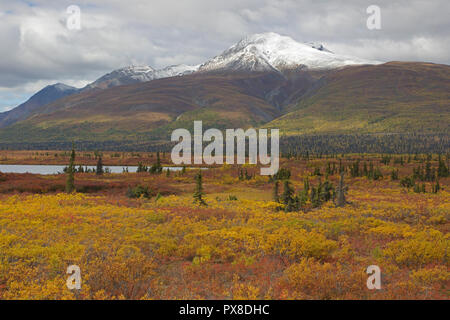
(141, 235)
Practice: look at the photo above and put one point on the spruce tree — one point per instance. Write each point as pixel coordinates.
(275, 194)
(341, 189)
(442, 169)
(99, 169)
(70, 182)
(198, 194)
(156, 168)
(288, 192)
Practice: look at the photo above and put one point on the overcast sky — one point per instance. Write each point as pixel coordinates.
(37, 48)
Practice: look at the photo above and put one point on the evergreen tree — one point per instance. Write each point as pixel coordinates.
(157, 167)
(341, 189)
(288, 192)
(327, 190)
(442, 169)
(198, 194)
(99, 170)
(70, 182)
(428, 172)
(275, 195)
(302, 198)
(314, 197)
(422, 188)
(365, 170)
(436, 187)
(141, 168)
(394, 175)
(306, 185)
(287, 196)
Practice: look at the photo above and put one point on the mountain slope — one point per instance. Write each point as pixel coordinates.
(389, 98)
(267, 52)
(47, 95)
(129, 112)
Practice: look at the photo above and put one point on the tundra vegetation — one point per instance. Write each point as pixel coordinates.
(225, 232)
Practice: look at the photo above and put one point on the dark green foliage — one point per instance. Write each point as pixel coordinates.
(275, 193)
(198, 193)
(157, 167)
(317, 172)
(394, 175)
(419, 188)
(436, 187)
(99, 169)
(365, 143)
(442, 170)
(407, 182)
(141, 168)
(243, 175)
(385, 160)
(354, 169)
(341, 190)
(70, 182)
(287, 197)
(429, 173)
(139, 191)
(282, 174)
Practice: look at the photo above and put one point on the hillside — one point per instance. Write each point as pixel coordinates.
(127, 112)
(395, 97)
(45, 96)
(390, 98)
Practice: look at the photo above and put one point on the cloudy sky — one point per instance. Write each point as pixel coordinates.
(37, 48)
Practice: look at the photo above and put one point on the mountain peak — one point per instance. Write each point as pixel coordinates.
(61, 87)
(139, 73)
(271, 51)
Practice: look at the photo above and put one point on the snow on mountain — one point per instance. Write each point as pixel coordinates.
(141, 73)
(174, 71)
(271, 51)
(123, 76)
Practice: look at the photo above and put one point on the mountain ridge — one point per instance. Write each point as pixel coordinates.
(264, 52)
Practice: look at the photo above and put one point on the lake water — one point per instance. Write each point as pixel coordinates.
(54, 169)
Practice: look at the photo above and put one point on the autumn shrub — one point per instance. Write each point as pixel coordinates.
(138, 192)
(439, 275)
(311, 279)
(430, 246)
(297, 243)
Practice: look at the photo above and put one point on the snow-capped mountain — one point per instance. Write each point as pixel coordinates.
(271, 51)
(140, 73)
(258, 52)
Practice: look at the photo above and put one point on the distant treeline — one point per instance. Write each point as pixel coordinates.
(374, 143)
(289, 146)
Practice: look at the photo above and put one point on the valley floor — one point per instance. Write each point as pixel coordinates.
(241, 245)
